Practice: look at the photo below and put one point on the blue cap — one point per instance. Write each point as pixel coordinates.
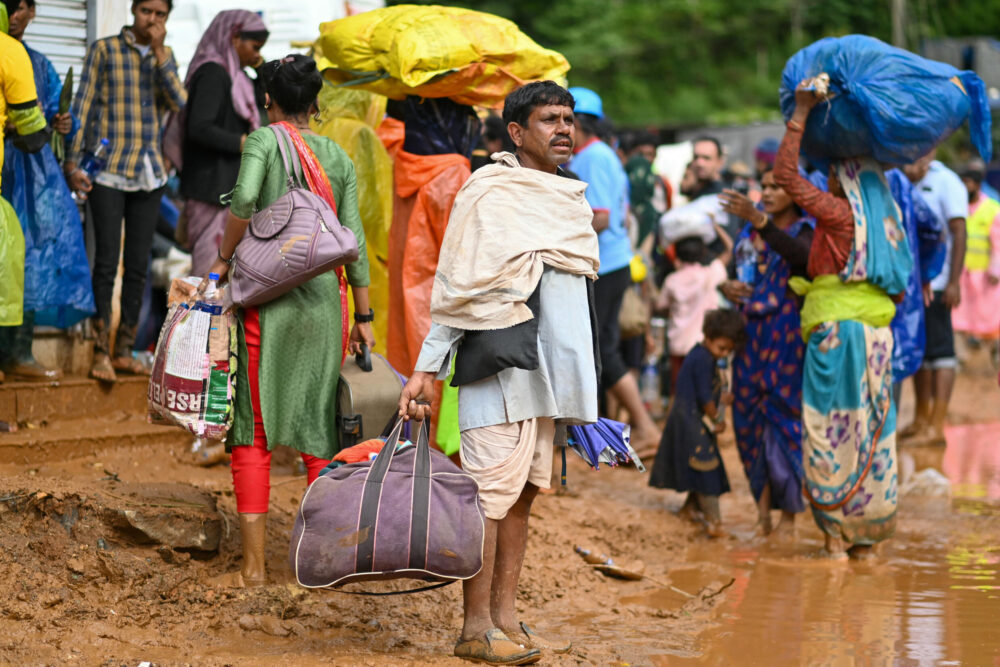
(213, 276)
(105, 142)
(587, 101)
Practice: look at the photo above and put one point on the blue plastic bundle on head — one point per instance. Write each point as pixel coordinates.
(886, 102)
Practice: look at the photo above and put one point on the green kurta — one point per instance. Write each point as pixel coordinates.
(300, 332)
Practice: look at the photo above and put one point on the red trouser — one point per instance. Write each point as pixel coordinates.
(252, 464)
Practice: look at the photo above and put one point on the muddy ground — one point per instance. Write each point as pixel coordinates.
(85, 587)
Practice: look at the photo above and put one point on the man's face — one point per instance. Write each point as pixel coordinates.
(647, 151)
(917, 170)
(146, 14)
(972, 185)
(548, 138)
(20, 19)
(707, 163)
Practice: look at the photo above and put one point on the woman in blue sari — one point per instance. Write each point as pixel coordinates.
(57, 288)
(767, 374)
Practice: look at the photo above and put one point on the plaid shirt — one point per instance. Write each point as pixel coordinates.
(123, 96)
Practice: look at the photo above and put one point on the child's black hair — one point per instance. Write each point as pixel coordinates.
(691, 250)
(721, 323)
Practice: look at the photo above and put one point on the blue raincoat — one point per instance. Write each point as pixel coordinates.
(56, 273)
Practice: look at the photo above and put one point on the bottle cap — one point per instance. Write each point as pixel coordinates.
(213, 276)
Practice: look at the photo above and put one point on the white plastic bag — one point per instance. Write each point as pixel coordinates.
(697, 218)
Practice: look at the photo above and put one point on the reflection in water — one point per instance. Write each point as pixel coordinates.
(932, 599)
(972, 460)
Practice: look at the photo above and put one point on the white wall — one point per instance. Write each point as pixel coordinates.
(108, 17)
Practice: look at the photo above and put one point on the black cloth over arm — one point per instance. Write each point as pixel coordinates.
(485, 353)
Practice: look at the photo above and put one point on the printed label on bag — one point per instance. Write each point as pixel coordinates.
(187, 357)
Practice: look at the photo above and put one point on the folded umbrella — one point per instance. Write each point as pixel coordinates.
(606, 441)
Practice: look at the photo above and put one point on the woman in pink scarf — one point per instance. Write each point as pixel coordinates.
(223, 108)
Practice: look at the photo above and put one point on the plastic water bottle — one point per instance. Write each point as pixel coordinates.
(746, 262)
(94, 163)
(211, 300)
(649, 385)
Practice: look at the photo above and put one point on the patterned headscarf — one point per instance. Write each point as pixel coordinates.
(216, 47)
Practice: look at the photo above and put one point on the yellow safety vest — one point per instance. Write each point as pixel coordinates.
(977, 229)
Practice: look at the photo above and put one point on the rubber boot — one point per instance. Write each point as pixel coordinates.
(253, 531)
(19, 362)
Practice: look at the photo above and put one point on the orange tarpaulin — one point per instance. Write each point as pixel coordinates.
(426, 186)
(392, 132)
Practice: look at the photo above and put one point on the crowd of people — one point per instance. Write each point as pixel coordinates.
(799, 306)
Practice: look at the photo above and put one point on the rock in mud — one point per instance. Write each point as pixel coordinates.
(268, 625)
(178, 516)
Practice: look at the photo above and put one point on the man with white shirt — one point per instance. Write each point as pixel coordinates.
(947, 197)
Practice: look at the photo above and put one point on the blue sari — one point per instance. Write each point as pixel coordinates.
(767, 383)
(57, 283)
(849, 448)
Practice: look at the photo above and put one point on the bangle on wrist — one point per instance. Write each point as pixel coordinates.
(364, 319)
(229, 262)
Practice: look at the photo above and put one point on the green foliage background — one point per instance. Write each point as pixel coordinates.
(679, 62)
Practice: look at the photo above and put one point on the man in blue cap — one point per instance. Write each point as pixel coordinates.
(598, 165)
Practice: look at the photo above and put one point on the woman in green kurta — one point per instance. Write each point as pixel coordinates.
(294, 341)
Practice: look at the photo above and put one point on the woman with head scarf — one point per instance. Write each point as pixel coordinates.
(223, 109)
(859, 265)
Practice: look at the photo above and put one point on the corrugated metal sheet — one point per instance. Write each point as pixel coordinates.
(60, 32)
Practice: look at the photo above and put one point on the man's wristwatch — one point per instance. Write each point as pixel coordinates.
(361, 319)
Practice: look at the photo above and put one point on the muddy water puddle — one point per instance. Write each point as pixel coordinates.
(932, 598)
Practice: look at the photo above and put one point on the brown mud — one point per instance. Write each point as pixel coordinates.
(86, 586)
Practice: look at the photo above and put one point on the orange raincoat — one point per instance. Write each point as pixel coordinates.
(426, 186)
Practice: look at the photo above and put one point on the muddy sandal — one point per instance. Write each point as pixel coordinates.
(533, 640)
(102, 369)
(495, 648)
(129, 366)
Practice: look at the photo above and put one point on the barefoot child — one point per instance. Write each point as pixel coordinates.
(688, 458)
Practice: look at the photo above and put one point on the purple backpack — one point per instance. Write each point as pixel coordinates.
(409, 514)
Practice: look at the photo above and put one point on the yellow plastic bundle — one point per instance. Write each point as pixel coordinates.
(349, 116)
(432, 51)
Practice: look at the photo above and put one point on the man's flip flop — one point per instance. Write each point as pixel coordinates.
(535, 641)
(495, 648)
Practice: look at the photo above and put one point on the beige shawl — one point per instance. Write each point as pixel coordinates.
(507, 223)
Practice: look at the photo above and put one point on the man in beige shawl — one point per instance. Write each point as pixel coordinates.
(513, 294)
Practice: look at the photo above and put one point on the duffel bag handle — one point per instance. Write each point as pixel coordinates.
(380, 466)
